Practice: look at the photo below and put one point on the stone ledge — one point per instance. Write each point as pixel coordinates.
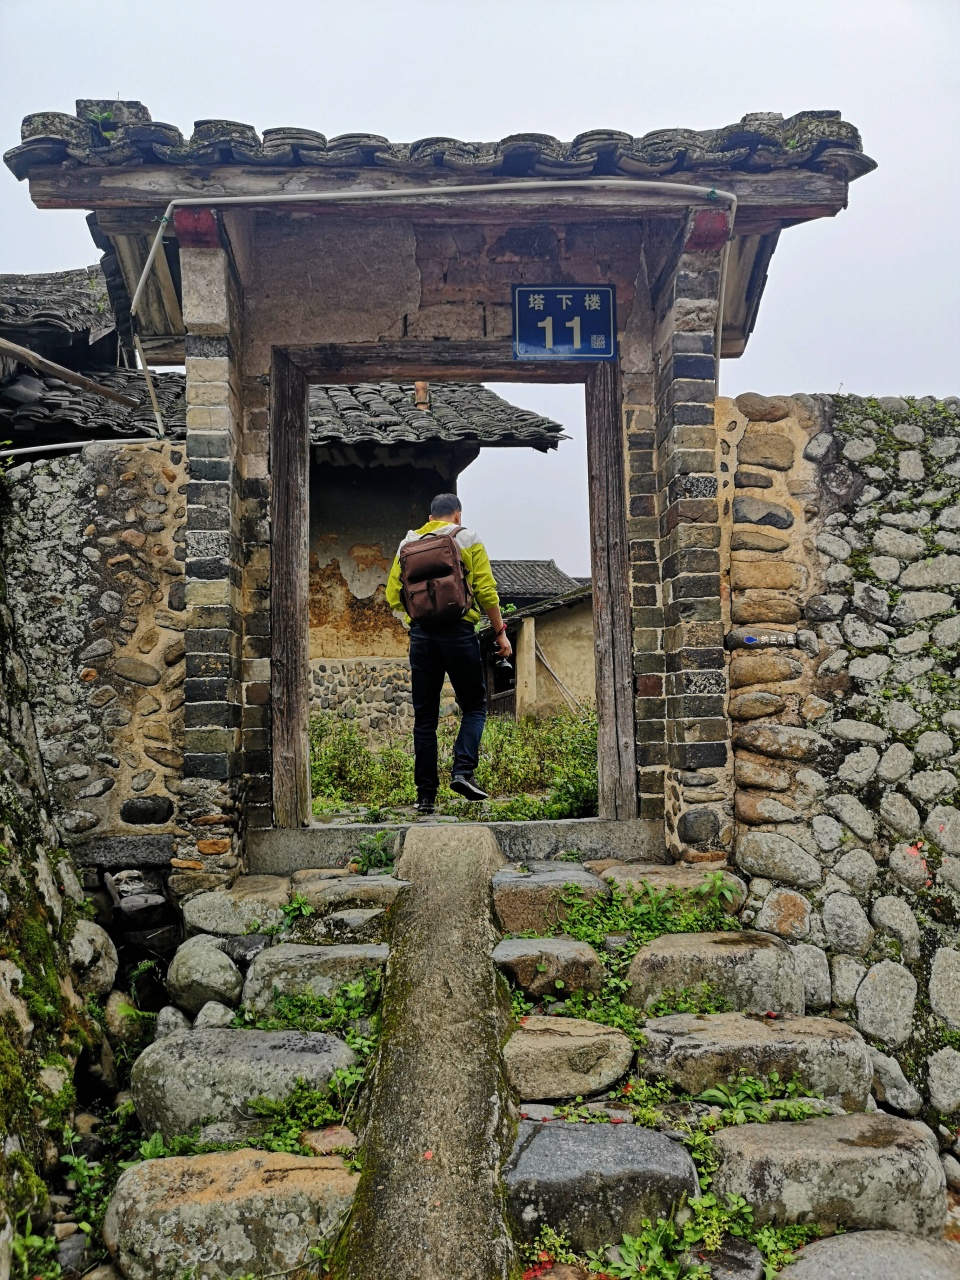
(271, 851)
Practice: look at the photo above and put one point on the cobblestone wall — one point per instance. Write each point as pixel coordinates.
(373, 691)
(93, 551)
(843, 520)
(42, 1023)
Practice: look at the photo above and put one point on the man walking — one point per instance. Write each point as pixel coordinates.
(443, 641)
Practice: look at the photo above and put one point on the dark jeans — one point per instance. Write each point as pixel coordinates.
(434, 653)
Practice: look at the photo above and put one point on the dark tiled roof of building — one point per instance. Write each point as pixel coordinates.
(105, 133)
(526, 578)
(48, 410)
(567, 600)
(385, 413)
(71, 301)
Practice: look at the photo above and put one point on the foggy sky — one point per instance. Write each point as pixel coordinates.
(865, 302)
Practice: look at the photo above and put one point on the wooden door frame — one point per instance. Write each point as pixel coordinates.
(293, 369)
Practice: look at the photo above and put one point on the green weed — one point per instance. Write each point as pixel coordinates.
(532, 768)
(702, 998)
(338, 1014)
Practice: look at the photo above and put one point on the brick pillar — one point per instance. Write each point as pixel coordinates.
(649, 662)
(209, 792)
(685, 444)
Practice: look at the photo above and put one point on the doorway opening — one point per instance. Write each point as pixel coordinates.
(310, 586)
(379, 453)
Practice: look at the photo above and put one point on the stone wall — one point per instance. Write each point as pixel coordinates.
(844, 636)
(43, 1027)
(375, 692)
(94, 550)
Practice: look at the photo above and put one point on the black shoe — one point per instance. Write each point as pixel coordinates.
(465, 786)
(426, 804)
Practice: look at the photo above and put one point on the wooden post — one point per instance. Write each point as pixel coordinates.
(289, 589)
(526, 660)
(612, 629)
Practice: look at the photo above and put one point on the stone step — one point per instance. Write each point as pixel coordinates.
(552, 1058)
(593, 1182)
(549, 966)
(193, 1077)
(753, 972)
(225, 1214)
(877, 1255)
(257, 902)
(627, 877)
(280, 852)
(864, 1172)
(527, 896)
(294, 969)
(696, 1052)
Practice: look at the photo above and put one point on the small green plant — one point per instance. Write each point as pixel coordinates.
(578, 1112)
(298, 908)
(376, 852)
(339, 1013)
(520, 1006)
(702, 998)
(747, 1100)
(645, 1098)
(33, 1257)
(550, 1246)
(305, 1108)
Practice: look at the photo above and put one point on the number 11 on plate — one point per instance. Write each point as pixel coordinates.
(564, 322)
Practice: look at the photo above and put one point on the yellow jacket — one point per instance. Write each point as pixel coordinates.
(476, 563)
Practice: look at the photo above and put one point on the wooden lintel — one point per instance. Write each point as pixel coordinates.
(805, 193)
(439, 361)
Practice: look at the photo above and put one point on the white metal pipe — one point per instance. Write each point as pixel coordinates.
(643, 186)
(151, 389)
(73, 444)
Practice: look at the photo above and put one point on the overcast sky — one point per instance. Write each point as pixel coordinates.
(866, 302)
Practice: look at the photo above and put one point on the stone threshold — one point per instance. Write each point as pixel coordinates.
(270, 851)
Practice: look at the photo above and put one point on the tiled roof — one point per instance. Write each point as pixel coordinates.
(385, 413)
(537, 608)
(53, 411)
(527, 578)
(71, 301)
(118, 134)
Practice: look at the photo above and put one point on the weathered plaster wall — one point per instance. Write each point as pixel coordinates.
(94, 550)
(316, 279)
(357, 518)
(844, 641)
(566, 638)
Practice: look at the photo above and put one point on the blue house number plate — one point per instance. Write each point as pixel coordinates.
(564, 322)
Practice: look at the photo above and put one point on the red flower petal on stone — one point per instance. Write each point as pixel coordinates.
(428, 1155)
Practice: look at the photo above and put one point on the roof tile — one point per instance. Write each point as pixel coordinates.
(122, 133)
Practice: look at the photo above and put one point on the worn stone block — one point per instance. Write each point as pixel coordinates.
(593, 1182)
(755, 972)
(563, 1057)
(857, 1171)
(698, 1051)
(220, 1214)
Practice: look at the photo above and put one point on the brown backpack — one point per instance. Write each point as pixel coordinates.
(434, 586)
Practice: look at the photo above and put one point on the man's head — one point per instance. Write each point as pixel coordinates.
(445, 506)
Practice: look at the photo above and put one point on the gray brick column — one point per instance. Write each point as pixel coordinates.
(685, 444)
(211, 768)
